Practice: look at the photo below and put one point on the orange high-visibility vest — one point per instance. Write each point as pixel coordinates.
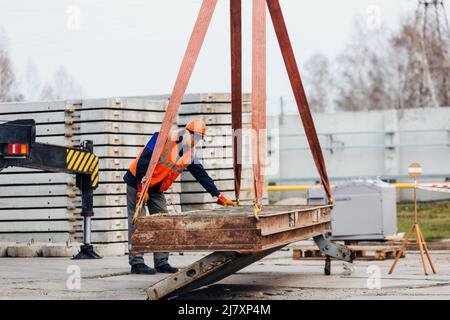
(170, 164)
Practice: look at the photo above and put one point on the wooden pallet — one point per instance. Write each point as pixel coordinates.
(363, 253)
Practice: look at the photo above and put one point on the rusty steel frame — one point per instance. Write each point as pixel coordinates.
(233, 229)
(221, 264)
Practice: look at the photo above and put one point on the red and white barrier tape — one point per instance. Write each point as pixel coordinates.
(435, 187)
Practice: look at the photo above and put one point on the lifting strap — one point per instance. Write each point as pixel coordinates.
(236, 91)
(259, 125)
(184, 75)
(299, 92)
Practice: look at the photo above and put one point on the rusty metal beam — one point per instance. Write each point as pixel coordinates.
(236, 91)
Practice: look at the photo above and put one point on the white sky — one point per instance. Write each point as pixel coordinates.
(134, 47)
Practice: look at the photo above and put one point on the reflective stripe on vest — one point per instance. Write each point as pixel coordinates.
(167, 170)
(164, 161)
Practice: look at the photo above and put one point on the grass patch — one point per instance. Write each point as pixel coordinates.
(434, 219)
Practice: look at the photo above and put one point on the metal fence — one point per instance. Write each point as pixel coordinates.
(377, 144)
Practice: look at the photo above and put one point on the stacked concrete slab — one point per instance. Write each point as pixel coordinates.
(38, 206)
(44, 208)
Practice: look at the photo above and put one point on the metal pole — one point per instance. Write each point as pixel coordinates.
(87, 211)
(415, 200)
(87, 230)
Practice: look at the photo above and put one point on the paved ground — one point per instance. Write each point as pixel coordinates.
(276, 277)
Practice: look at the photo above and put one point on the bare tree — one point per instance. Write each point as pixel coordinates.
(398, 70)
(364, 75)
(319, 82)
(31, 85)
(7, 78)
(407, 60)
(63, 86)
(421, 65)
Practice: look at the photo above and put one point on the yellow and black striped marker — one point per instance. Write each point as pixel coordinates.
(83, 162)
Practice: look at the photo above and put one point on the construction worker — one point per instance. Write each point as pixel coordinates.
(178, 154)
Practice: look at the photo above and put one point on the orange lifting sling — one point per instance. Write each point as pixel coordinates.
(258, 92)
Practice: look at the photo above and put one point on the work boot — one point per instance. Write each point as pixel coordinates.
(142, 268)
(166, 268)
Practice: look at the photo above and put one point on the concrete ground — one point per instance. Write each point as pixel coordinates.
(276, 277)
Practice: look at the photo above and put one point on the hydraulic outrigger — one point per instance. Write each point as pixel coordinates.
(18, 148)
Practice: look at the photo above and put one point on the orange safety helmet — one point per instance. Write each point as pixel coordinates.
(197, 126)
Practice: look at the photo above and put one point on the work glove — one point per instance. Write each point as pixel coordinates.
(139, 193)
(225, 202)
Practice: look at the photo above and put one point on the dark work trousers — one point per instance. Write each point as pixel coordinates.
(156, 204)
